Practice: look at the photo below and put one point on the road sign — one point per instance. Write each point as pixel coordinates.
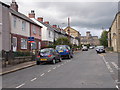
(31, 39)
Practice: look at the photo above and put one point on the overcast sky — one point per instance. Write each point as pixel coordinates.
(84, 16)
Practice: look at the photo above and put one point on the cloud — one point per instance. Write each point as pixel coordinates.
(83, 15)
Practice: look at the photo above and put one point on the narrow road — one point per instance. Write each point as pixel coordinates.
(86, 70)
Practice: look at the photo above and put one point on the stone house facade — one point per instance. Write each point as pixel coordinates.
(114, 34)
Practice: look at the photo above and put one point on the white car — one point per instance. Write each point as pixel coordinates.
(84, 48)
(100, 49)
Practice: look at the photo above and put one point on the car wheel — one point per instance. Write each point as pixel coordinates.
(37, 62)
(60, 60)
(53, 61)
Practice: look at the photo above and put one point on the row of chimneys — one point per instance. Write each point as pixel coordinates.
(14, 6)
(32, 15)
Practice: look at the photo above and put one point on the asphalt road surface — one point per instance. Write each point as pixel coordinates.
(86, 70)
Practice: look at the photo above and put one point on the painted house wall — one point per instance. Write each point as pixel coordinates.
(18, 28)
(0, 27)
(6, 40)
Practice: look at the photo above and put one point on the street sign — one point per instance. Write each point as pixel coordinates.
(31, 39)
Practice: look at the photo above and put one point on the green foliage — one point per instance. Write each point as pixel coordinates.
(104, 38)
(63, 41)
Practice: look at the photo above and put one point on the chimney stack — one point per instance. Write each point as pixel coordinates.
(32, 14)
(40, 19)
(46, 22)
(54, 26)
(14, 5)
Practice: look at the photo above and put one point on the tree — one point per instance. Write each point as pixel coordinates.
(63, 41)
(104, 38)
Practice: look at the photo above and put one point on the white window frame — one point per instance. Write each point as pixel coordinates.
(34, 29)
(23, 26)
(15, 21)
(24, 46)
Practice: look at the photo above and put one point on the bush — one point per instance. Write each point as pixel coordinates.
(20, 53)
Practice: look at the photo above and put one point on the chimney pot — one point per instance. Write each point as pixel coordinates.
(54, 26)
(40, 19)
(46, 22)
(32, 14)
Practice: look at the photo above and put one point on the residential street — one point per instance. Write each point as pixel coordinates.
(86, 70)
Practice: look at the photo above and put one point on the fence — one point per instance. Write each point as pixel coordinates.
(10, 58)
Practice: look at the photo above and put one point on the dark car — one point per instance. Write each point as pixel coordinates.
(64, 51)
(48, 55)
(100, 49)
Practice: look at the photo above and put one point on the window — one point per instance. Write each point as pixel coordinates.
(34, 29)
(33, 45)
(39, 31)
(14, 43)
(15, 20)
(23, 25)
(49, 33)
(23, 43)
(39, 45)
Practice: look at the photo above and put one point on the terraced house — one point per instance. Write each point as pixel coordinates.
(114, 34)
(17, 30)
(4, 27)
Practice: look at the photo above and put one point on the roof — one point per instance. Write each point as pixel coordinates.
(22, 16)
(4, 4)
(114, 20)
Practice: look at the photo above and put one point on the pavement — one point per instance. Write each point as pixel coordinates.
(17, 67)
(86, 70)
(111, 61)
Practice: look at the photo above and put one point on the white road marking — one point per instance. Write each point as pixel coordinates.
(20, 85)
(33, 79)
(54, 68)
(49, 70)
(42, 74)
(107, 64)
(58, 66)
(117, 87)
(115, 65)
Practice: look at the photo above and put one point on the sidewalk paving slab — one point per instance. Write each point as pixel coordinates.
(17, 67)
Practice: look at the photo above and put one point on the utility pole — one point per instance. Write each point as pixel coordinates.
(68, 28)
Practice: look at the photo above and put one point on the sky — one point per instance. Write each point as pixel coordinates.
(84, 15)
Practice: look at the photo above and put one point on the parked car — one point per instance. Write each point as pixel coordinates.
(91, 47)
(84, 48)
(100, 49)
(64, 51)
(48, 55)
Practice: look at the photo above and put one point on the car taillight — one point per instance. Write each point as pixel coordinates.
(67, 50)
(38, 56)
(49, 55)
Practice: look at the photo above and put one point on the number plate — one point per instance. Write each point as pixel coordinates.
(61, 51)
(43, 59)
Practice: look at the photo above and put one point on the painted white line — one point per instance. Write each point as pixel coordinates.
(117, 87)
(20, 85)
(107, 64)
(33, 79)
(115, 65)
(49, 70)
(42, 74)
(54, 68)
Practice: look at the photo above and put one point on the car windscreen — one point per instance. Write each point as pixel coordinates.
(43, 51)
(60, 47)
